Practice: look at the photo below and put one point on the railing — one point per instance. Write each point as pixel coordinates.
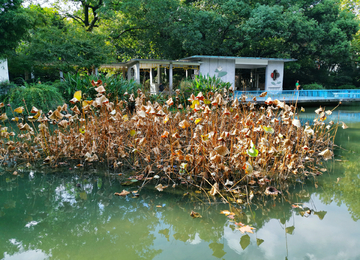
(328, 94)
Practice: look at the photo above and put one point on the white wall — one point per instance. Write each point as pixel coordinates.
(4, 71)
(208, 66)
(277, 84)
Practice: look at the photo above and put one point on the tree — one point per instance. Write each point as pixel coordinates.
(57, 42)
(14, 23)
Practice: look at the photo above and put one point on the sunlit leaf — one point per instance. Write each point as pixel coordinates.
(207, 101)
(198, 120)
(132, 132)
(253, 152)
(19, 110)
(78, 95)
(125, 118)
(194, 103)
(82, 130)
(245, 241)
(268, 130)
(166, 119)
(205, 137)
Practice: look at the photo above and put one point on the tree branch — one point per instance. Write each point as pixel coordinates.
(129, 30)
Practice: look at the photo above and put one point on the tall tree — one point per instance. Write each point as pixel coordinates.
(14, 24)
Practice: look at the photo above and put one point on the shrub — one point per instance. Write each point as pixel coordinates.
(42, 96)
(347, 87)
(312, 86)
(115, 86)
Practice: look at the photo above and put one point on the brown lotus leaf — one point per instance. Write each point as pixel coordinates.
(263, 94)
(3, 117)
(141, 113)
(195, 214)
(176, 135)
(160, 113)
(327, 154)
(191, 98)
(56, 115)
(268, 101)
(165, 134)
(200, 96)
(319, 110)
(74, 100)
(214, 189)
(100, 89)
(170, 102)
(296, 122)
(184, 124)
(76, 110)
(123, 193)
(63, 123)
(160, 187)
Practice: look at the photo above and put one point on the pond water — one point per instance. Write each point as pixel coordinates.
(68, 216)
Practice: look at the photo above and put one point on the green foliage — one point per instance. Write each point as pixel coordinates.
(42, 96)
(347, 87)
(312, 86)
(115, 86)
(14, 23)
(205, 84)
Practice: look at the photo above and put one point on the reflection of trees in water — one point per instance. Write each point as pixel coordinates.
(86, 221)
(346, 189)
(68, 223)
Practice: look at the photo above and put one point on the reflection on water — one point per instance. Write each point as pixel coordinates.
(78, 217)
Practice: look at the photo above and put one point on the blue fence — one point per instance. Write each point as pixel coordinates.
(303, 95)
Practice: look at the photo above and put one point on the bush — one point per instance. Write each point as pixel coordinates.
(115, 86)
(42, 96)
(347, 87)
(312, 86)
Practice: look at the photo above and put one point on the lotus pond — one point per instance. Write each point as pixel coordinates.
(67, 214)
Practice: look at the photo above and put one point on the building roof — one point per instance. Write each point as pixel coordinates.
(199, 57)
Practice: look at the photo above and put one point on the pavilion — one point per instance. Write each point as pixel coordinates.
(270, 69)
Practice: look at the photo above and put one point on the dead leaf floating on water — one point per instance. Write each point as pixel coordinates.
(123, 193)
(247, 228)
(160, 187)
(195, 214)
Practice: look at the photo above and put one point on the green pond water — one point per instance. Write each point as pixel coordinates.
(76, 216)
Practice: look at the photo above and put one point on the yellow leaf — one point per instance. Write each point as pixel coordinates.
(86, 103)
(82, 130)
(19, 110)
(166, 119)
(125, 118)
(132, 132)
(194, 103)
(205, 137)
(77, 95)
(197, 120)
